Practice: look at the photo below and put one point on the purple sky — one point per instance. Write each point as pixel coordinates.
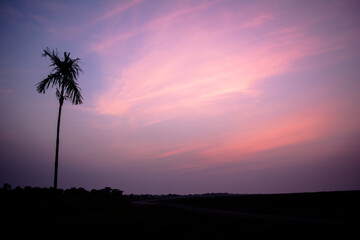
(185, 96)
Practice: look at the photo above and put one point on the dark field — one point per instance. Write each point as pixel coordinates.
(212, 216)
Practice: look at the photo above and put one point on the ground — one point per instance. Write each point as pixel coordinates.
(281, 216)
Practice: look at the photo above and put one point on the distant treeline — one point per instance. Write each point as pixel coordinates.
(37, 191)
(107, 191)
(139, 197)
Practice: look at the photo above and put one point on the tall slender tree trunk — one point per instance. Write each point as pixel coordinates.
(61, 101)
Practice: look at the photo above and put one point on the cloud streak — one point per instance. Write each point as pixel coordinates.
(200, 70)
(189, 68)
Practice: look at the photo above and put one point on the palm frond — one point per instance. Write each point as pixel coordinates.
(73, 92)
(52, 79)
(54, 57)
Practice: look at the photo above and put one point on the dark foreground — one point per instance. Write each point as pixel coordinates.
(279, 216)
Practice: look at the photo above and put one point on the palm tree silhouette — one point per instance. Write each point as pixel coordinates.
(64, 76)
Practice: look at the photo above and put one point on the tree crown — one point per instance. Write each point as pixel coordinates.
(63, 75)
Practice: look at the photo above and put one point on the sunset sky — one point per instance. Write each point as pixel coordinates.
(185, 97)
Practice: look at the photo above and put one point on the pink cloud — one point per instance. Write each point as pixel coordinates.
(186, 69)
(258, 21)
(189, 69)
(239, 146)
(284, 130)
(158, 23)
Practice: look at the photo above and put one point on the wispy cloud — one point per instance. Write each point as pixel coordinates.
(5, 92)
(9, 12)
(189, 69)
(117, 10)
(156, 24)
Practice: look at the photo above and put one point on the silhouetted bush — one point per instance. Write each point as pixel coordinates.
(106, 192)
(6, 187)
(76, 192)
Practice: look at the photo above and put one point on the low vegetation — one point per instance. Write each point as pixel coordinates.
(204, 216)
